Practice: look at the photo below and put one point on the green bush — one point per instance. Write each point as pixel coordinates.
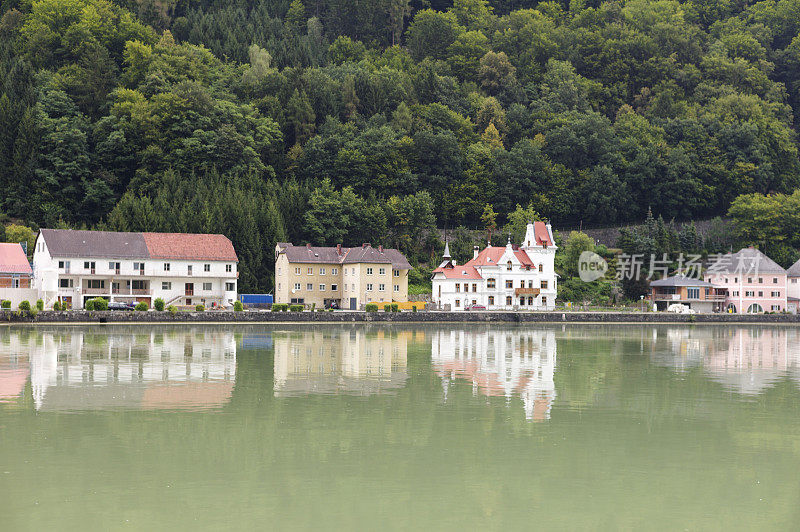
(395, 307)
(56, 306)
(89, 305)
(141, 306)
(280, 307)
(158, 304)
(5, 304)
(200, 308)
(39, 304)
(237, 306)
(100, 303)
(387, 308)
(172, 309)
(413, 308)
(295, 308)
(371, 307)
(25, 305)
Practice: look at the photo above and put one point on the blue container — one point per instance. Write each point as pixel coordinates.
(256, 299)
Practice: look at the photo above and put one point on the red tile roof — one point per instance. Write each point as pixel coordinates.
(542, 234)
(460, 272)
(180, 246)
(13, 259)
(490, 255)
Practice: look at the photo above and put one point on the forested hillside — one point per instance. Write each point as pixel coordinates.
(377, 120)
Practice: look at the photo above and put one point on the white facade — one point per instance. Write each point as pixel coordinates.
(75, 279)
(501, 278)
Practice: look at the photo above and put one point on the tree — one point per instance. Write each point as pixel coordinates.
(489, 220)
(577, 243)
(431, 33)
(518, 221)
(21, 234)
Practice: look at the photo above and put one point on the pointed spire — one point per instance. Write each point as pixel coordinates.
(446, 250)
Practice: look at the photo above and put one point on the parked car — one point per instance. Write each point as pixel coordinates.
(475, 307)
(118, 305)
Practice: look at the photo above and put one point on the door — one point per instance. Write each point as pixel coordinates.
(352, 303)
(189, 289)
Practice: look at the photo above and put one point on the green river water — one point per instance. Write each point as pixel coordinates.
(365, 427)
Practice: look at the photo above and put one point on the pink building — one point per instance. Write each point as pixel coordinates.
(752, 281)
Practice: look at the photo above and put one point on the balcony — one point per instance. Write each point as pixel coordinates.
(131, 291)
(527, 291)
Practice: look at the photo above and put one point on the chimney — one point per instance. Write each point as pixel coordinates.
(365, 245)
(380, 248)
(308, 245)
(339, 249)
(475, 252)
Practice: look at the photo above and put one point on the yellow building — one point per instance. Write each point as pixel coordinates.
(346, 277)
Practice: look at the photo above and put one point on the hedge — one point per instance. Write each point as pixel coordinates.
(158, 304)
(371, 307)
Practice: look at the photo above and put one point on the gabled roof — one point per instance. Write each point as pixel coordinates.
(94, 244)
(490, 255)
(681, 280)
(747, 260)
(118, 245)
(459, 272)
(13, 259)
(542, 234)
(336, 255)
(180, 246)
(794, 269)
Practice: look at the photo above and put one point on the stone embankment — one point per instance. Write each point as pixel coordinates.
(79, 316)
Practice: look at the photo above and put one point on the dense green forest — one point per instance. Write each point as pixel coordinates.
(340, 121)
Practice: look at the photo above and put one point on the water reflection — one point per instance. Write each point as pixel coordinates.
(744, 360)
(500, 363)
(74, 369)
(355, 361)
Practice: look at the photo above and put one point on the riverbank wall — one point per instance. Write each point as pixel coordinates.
(79, 316)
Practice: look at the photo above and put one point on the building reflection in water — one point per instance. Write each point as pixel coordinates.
(500, 363)
(354, 361)
(745, 360)
(81, 370)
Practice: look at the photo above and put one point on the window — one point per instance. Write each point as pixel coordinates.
(229, 268)
(297, 286)
(322, 288)
(474, 287)
(322, 271)
(369, 271)
(310, 271)
(166, 286)
(334, 271)
(458, 287)
(65, 283)
(397, 288)
(736, 293)
(64, 265)
(138, 285)
(760, 293)
(544, 285)
(749, 280)
(490, 282)
(693, 293)
(794, 281)
(530, 300)
(509, 284)
(96, 283)
(189, 269)
(760, 280)
(522, 283)
(396, 273)
(776, 294)
(508, 300)
(309, 286)
(113, 265)
(382, 271)
(735, 279)
(334, 287)
(369, 287)
(88, 265)
(297, 271)
(166, 266)
(207, 268)
(491, 300)
(458, 303)
(508, 266)
(775, 280)
(749, 293)
(775, 307)
(138, 266)
(381, 287)
(541, 267)
(353, 287)
(522, 301)
(207, 287)
(544, 301)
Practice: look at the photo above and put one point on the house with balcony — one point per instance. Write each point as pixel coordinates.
(753, 283)
(514, 277)
(73, 266)
(697, 294)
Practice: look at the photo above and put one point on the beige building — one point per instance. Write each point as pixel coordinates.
(347, 277)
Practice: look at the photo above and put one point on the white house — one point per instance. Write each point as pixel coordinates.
(182, 269)
(502, 278)
(793, 288)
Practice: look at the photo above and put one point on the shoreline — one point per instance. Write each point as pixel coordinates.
(76, 317)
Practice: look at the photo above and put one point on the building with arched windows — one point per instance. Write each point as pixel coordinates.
(514, 277)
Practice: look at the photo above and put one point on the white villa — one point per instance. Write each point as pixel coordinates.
(501, 278)
(72, 267)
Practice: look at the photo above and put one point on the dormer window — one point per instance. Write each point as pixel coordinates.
(508, 266)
